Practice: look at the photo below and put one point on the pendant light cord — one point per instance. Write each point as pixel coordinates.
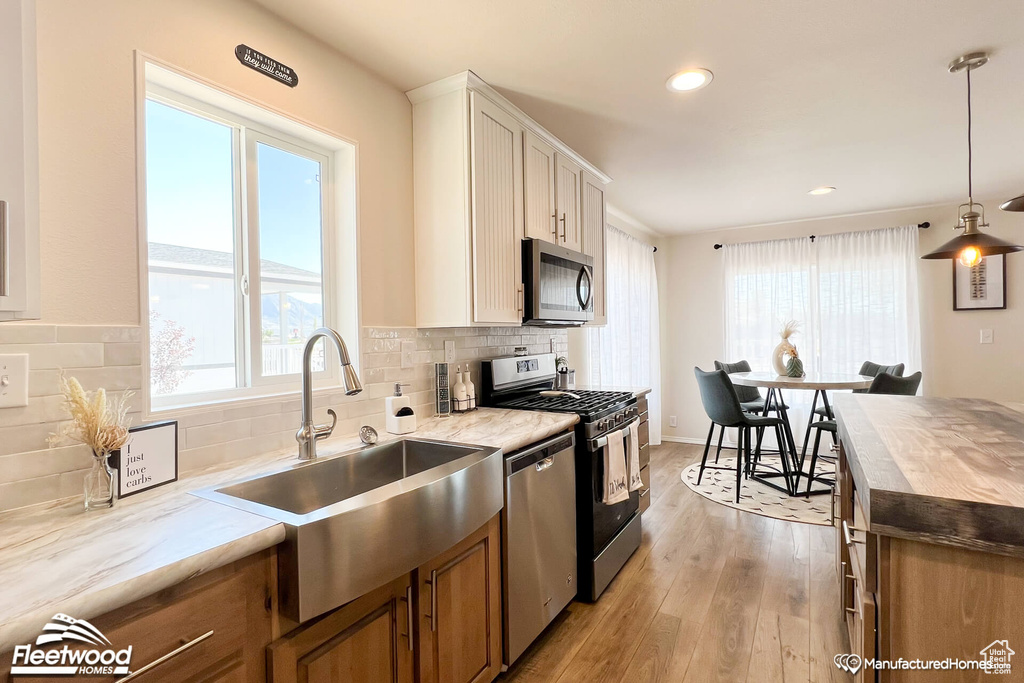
(970, 150)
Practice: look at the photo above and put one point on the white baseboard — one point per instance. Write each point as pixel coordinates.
(696, 441)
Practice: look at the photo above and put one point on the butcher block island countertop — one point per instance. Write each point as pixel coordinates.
(939, 470)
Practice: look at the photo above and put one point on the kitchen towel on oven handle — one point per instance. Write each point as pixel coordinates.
(615, 489)
(633, 457)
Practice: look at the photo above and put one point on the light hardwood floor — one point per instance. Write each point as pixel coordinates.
(712, 594)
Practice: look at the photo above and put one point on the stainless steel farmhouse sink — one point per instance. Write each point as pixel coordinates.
(360, 519)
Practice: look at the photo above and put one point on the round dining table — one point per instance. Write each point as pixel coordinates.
(818, 382)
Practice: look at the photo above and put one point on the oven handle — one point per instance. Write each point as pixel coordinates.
(590, 288)
(600, 442)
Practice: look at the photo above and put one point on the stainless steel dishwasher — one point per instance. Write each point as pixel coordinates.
(539, 539)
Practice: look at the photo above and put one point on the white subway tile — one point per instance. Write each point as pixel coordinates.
(221, 432)
(46, 356)
(30, 333)
(98, 333)
(128, 353)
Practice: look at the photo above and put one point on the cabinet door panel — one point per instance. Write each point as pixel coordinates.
(366, 640)
(497, 181)
(539, 188)
(592, 204)
(461, 642)
(567, 200)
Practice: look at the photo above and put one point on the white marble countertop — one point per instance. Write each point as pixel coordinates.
(56, 558)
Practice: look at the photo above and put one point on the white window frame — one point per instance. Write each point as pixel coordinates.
(337, 159)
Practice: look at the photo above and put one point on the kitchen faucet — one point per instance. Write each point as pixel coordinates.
(309, 433)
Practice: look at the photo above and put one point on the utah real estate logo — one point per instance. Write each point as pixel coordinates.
(59, 651)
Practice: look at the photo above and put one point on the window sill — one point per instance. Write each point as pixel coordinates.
(242, 403)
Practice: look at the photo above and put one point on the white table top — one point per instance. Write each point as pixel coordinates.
(812, 380)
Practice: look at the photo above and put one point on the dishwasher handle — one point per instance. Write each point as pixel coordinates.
(539, 454)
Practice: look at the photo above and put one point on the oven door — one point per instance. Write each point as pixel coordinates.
(607, 519)
(558, 285)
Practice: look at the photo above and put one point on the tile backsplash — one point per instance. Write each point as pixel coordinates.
(111, 357)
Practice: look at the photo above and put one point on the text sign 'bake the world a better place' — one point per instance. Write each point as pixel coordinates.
(149, 459)
(254, 59)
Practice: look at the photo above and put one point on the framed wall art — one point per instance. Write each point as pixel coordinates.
(981, 287)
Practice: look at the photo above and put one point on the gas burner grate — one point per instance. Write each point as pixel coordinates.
(589, 402)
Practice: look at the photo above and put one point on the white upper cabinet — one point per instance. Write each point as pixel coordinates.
(567, 202)
(19, 174)
(593, 217)
(539, 188)
(485, 175)
(497, 199)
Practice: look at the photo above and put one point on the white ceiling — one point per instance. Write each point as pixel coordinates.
(850, 93)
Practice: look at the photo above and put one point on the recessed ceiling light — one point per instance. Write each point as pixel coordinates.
(691, 79)
(824, 189)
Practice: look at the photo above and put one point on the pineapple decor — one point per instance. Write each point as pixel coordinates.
(793, 367)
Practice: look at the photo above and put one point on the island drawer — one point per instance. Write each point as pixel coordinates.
(860, 611)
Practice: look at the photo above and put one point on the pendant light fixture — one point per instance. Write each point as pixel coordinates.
(972, 245)
(1015, 204)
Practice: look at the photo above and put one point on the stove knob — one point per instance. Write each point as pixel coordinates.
(620, 418)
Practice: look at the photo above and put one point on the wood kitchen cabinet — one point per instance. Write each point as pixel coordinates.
(369, 640)
(19, 172)
(460, 611)
(485, 176)
(644, 437)
(593, 219)
(214, 627)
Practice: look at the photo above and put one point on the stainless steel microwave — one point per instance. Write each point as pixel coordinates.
(558, 285)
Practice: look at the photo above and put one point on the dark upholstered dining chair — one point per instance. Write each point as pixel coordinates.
(868, 369)
(722, 405)
(884, 383)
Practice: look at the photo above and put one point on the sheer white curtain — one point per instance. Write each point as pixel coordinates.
(626, 351)
(855, 295)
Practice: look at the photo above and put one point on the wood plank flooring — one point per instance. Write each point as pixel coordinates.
(712, 594)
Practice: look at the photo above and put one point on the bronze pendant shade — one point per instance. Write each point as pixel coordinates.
(985, 243)
(1015, 204)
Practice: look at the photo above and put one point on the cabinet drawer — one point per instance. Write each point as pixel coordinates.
(641, 403)
(862, 546)
(232, 607)
(645, 456)
(860, 614)
(644, 432)
(645, 492)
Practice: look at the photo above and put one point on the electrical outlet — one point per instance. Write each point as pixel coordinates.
(408, 354)
(553, 343)
(14, 380)
(449, 351)
(672, 421)
(986, 336)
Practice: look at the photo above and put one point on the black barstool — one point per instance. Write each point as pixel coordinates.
(750, 398)
(723, 407)
(884, 383)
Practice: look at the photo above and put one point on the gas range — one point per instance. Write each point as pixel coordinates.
(606, 535)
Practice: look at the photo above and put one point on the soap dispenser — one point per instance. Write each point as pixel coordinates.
(398, 415)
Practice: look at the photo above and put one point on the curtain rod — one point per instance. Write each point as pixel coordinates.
(923, 226)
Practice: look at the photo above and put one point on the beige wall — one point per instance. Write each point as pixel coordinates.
(954, 363)
(87, 142)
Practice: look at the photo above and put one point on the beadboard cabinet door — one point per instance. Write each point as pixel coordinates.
(497, 209)
(19, 173)
(539, 188)
(592, 205)
(567, 202)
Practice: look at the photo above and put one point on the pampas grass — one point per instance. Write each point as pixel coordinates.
(97, 422)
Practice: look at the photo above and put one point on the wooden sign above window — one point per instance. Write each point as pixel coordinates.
(254, 59)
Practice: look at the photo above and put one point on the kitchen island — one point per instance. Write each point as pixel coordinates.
(930, 532)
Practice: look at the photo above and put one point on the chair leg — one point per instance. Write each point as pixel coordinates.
(756, 459)
(814, 461)
(739, 460)
(721, 438)
(707, 447)
(784, 458)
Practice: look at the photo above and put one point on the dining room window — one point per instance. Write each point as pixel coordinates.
(855, 296)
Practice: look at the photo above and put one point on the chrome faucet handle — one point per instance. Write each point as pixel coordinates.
(321, 432)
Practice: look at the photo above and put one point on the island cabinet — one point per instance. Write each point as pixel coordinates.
(929, 507)
(441, 623)
(485, 176)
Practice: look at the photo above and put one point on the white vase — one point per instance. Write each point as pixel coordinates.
(778, 362)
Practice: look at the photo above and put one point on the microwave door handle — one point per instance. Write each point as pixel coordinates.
(579, 282)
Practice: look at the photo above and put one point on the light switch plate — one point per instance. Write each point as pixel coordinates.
(408, 354)
(986, 336)
(449, 351)
(13, 380)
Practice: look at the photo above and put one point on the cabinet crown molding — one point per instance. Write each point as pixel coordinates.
(467, 80)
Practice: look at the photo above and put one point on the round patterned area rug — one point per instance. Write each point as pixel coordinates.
(720, 486)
